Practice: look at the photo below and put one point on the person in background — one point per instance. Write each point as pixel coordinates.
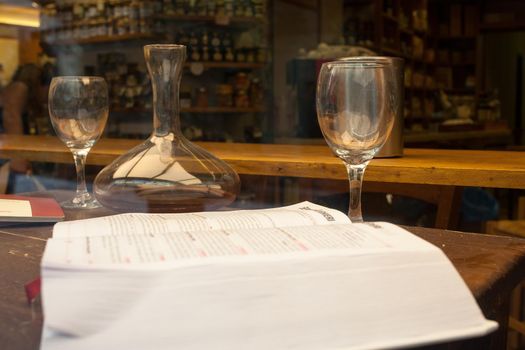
(2, 76)
(22, 103)
(19, 103)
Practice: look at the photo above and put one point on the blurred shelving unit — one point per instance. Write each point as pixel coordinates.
(437, 39)
(225, 93)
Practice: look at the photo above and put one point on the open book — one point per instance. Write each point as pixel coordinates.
(15, 208)
(297, 277)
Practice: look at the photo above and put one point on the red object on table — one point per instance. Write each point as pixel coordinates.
(33, 290)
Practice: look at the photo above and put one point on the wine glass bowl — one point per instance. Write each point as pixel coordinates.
(78, 108)
(358, 99)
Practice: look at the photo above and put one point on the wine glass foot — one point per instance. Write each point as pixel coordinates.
(85, 201)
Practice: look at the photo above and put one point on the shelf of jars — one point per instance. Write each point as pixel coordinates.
(200, 110)
(230, 37)
(235, 93)
(221, 110)
(407, 32)
(224, 65)
(65, 20)
(91, 22)
(417, 118)
(100, 39)
(456, 38)
(421, 89)
(213, 20)
(110, 31)
(456, 64)
(217, 57)
(460, 91)
(438, 45)
(392, 51)
(390, 17)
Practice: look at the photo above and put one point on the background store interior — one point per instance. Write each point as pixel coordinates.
(252, 67)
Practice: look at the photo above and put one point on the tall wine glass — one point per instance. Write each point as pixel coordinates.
(78, 107)
(357, 101)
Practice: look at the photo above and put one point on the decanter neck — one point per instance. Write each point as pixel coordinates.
(165, 64)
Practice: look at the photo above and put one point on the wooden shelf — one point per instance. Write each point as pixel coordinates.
(507, 26)
(457, 64)
(66, 5)
(456, 38)
(45, 2)
(460, 91)
(420, 88)
(441, 136)
(78, 22)
(130, 110)
(101, 39)
(392, 51)
(402, 30)
(216, 20)
(163, 21)
(423, 118)
(406, 31)
(391, 18)
(413, 32)
(219, 110)
(227, 65)
(203, 110)
(370, 47)
(419, 60)
(421, 32)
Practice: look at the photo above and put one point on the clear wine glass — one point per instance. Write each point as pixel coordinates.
(357, 101)
(78, 107)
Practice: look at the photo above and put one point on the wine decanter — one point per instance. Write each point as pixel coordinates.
(167, 172)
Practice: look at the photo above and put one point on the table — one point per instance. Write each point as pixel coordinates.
(490, 265)
(442, 172)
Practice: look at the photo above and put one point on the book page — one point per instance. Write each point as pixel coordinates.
(366, 286)
(15, 208)
(163, 248)
(301, 214)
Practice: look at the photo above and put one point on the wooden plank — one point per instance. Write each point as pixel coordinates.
(447, 199)
(517, 325)
(495, 169)
(102, 39)
(210, 19)
(456, 135)
(447, 215)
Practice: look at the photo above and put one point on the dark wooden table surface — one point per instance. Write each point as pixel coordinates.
(490, 265)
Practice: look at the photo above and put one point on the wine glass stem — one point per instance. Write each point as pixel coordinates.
(80, 165)
(355, 176)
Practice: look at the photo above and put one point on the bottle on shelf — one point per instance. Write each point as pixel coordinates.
(201, 99)
(228, 55)
(224, 95)
(195, 54)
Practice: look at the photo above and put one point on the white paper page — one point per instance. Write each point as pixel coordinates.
(192, 247)
(301, 214)
(15, 207)
(382, 300)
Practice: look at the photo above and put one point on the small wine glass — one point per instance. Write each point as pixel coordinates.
(358, 99)
(78, 107)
